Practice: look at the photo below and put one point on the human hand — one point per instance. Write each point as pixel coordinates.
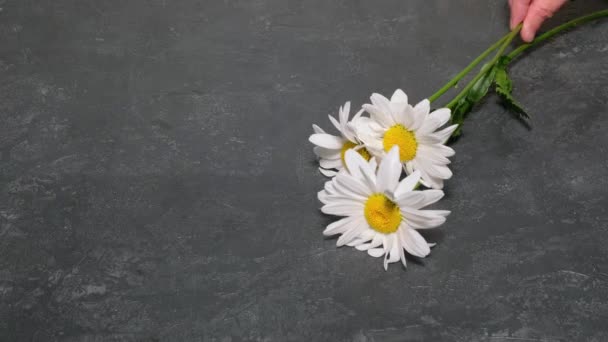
(532, 13)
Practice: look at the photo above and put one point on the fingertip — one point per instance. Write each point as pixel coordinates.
(527, 35)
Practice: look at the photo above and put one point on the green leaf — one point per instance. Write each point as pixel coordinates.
(504, 87)
(510, 102)
(477, 92)
(503, 62)
(458, 114)
(481, 87)
(502, 79)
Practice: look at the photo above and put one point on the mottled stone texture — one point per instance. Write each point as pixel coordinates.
(156, 183)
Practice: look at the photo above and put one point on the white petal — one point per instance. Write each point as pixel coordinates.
(423, 107)
(446, 151)
(399, 96)
(368, 233)
(356, 242)
(408, 167)
(446, 133)
(335, 198)
(360, 168)
(362, 125)
(317, 129)
(322, 196)
(327, 173)
(433, 170)
(441, 115)
(419, 199)
(400, 113)
(410, 199)
(365, 129)
(352, 233)
(335, 123)
(402, 256)
(389, 171)
(344, 112)
(330, 187)
(407, 184)
(408, 116)
(326, 141)
(373, 164)
(326, 153)
(330, 163)
(369, 179)
(381, 103)
(421, 110)
(439, 137)
(348, 184)
(444, 213)
(362, 247)
(394, 252)
(354, 161)
(388, 245)
(414, 243)
(399, 106)
(376, 241)
(376, 148)
(426, 179)
(424, 219)
(340, 226)
(386, 107)
(432, 154)
(432, 182)
(441, 171)
(378, 115)
(376, 128)
(359, 113)
(434, 120)
(376, 252)
(343, 208)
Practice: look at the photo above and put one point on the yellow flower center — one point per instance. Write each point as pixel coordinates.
(382, 214)
(349, 145)
(402, 137)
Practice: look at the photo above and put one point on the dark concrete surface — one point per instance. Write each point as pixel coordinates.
(156, 183)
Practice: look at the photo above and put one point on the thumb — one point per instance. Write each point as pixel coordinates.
(539, 11)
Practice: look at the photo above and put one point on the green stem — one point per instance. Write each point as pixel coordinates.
(558, 29)
(466, 70)
(487, 67)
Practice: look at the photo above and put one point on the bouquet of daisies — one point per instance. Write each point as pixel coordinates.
(390, 161)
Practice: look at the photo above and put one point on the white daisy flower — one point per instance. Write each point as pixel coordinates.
(331, 149)
(422, 147)
(381, 213)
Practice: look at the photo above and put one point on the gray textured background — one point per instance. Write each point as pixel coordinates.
(156, 183)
